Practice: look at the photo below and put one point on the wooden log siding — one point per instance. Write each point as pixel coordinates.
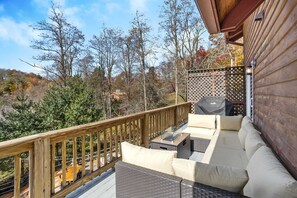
(272, 42)
(100, 141)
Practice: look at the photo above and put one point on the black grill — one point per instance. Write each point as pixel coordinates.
(214, 105)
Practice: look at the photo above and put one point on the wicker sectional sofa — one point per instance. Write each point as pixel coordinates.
(236, 163)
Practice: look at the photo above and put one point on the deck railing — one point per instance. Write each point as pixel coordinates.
(62, 160)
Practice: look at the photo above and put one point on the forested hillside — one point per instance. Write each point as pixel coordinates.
(114, 73)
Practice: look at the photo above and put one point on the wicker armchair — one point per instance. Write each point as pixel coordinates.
(135, 181)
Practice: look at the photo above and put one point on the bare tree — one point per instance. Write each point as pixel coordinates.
(141, 33)
(183, 35)
(60, 44)
(171, 15)
(106, 49)
(127, 68)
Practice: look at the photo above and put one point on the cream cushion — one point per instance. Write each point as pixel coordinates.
(242, 133)
(245, 120)
(199, 132)
(253, 142)
(227, 178)
(157, 160)
(201, 121)
(229, 157)
(268, 177)
(225, 149)
(250, 127)
(230, 123)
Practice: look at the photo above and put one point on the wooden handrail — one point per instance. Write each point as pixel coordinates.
(101, 140)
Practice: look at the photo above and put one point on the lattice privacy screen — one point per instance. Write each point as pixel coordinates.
(228, 82)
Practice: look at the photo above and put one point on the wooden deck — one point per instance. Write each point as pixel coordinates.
(104, 185)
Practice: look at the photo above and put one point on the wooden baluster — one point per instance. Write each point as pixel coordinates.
(132, 131)
(74, 152)
(17, 175)
(124, 132)
(159, 123)
(91, 152)
(31, 173)
(98, 149)
(116, 142)
(83, 155)
(121, 138)
(110, 145)
(137, 126)
(64, 163)
(153, 126)
(145, 130)
(129, 126)
(53, 168)
(105, 147)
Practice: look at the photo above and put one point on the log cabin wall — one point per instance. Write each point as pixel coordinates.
(272, 42)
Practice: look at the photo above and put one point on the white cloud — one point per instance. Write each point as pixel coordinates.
(72, 16)
(111, 7)
(139, 5)
(20, 33)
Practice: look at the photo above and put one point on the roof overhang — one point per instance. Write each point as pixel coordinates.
(226, 15)
(208, 12)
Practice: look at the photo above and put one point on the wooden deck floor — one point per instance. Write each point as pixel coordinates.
(104, 185)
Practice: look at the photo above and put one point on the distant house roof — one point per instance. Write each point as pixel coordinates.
(226, 15)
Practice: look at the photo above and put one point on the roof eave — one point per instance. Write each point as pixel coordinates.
(208, 13)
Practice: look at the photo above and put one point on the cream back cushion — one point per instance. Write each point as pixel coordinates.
(242, 133)
(223, 177)
(245, 120)
(268, 177)
(244, 130)
(202, 121)
(157, 160)
(253, 142)
(229, 123)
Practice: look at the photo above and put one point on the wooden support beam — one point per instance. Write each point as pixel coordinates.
(83, 155)
(42, 166)
(64, 163)
(238, 14)
(17, 175)
(74, 148)
(53, 165)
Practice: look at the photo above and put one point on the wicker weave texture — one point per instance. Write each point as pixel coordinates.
(227, 82)
(190, 189)
(199, 144)
(137, 182)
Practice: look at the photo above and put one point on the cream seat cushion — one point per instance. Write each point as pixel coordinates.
(202, 121)
(229, 157)
(229, 139)
(268, 177)
(157, 160)
(225, 149)
(226, 178)
(230, 123)
(199, 132)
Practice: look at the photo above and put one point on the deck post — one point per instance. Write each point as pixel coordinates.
(175, 116)
(145, 130)
(42, 167)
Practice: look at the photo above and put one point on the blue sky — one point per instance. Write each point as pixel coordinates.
(16, 16)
